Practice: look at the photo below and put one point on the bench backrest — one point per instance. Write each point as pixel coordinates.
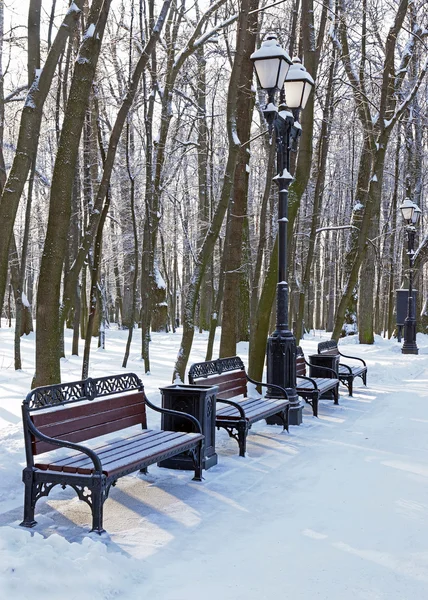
(227, 373)
(79, 411)
(329, 347)
(300, 362)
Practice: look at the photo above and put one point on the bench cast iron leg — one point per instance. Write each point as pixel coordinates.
(364, 378)
(242, 436)
(336, 394)
(283, 415)
(29, 495)
(350, 385)
(97, 506)
(197, 455)
(315, 399)
(144, 470)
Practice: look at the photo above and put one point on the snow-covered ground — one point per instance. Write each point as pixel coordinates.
(335, 510)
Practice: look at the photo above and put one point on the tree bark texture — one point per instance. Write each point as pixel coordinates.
(28, 139)
(48, 294)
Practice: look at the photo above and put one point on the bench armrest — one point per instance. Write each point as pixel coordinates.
(169, 411)
(323, 368)
(314, 383)
(271, 385)
(353, 357)
(64, 444)
(235, 405)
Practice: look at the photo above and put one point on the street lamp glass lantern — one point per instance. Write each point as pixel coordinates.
(298, 85)
(407, 210)
(416, 215)
(271, 63)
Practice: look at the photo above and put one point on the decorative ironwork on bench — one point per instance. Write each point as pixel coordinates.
(216, 367)
(75, 391)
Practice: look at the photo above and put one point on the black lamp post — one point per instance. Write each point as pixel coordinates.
(275, 71)
(411, 213)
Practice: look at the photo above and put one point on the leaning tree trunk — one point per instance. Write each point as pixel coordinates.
(28, 137)
(247, 25)
(48, 332)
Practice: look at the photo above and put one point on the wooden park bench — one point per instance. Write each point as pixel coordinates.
(70, 414)
(236, 416)
(312, 388)
(347, 373)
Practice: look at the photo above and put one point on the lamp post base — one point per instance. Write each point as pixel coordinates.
(295, 416)
(281, 370)
(409, 346)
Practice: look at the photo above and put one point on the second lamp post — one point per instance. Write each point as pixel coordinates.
(411, 213)
(277, 72)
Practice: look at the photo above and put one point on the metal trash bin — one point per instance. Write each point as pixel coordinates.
(200, 402)
(316, 364)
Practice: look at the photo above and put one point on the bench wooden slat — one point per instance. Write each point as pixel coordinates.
(229, 374)
(80, 411)
(322, 383)
(346, 376)
(60, 413)
(233, 383)
(246, 404)
(89, 433)
(252, 407)
(300, 365)
(306, 389)
(355, 371)
(85, 421)
(77, 461)
(179, 441)
(187, 440)
(132, 456)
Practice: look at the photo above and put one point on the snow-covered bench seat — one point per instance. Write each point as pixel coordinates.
(311, 389)
(64, 415)
(236, 416)
(347, 373)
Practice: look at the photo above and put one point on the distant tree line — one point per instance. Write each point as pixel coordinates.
(136, 172)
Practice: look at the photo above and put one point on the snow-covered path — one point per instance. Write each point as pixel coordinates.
(336, 510)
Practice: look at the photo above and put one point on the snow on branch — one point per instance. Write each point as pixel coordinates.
(403, 106)
(335, 228)
(214, 30)
(12, 96)
(196, 35)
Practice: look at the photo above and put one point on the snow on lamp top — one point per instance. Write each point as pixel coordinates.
(410, 211)
(271, 63)
(298, 85)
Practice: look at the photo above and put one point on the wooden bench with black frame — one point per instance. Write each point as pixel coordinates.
(311, 389)
(64, 415)
(236, 416)
(347, 373)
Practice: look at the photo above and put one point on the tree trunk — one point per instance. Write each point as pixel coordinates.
(48, 295)
(28, 139)
(247, 25)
